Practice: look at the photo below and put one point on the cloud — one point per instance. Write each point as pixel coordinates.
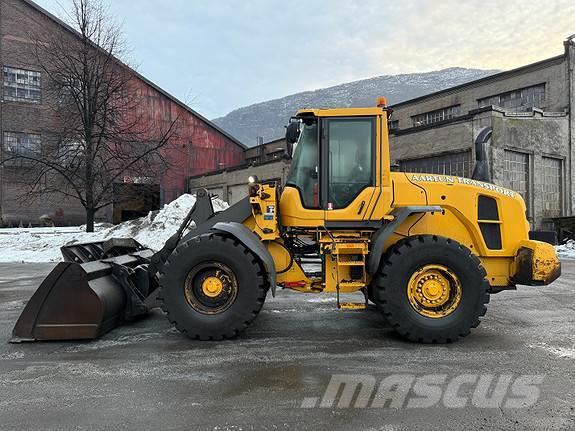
(230, 53)
(491, 34)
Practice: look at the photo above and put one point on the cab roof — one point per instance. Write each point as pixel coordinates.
(341, 112)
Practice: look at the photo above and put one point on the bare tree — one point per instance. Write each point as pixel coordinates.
(100, 128)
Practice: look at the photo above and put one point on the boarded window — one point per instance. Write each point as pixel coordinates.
(552, 190)
(516, 174)
(22, 85)
(456, 164)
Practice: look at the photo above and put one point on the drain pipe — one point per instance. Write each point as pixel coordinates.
(569, 53)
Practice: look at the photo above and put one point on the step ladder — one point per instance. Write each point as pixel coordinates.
(350, 257)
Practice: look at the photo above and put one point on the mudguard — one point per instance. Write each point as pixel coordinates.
(252, 242)
(385, 232)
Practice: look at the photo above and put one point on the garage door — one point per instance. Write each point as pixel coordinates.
(237, 193)
(516, 174)
(552, 190)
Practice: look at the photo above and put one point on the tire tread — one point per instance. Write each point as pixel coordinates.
(262, 286)
(390, 262)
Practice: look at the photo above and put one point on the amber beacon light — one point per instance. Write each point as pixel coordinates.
(381, 102)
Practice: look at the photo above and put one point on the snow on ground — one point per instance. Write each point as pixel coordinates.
(562, 352)
(43, 244)
(567, 249)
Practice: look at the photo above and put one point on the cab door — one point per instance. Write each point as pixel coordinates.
(300, 203)
(349, 168)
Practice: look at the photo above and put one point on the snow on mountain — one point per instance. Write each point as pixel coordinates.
(267, 119)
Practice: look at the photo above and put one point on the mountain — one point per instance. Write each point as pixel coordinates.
(268, 119)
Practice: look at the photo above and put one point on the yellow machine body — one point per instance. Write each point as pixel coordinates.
(515, 259)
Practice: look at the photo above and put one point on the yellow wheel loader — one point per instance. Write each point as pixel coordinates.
(427, 250)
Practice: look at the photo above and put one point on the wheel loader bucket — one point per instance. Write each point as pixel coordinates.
(84, 298)
(101, 284)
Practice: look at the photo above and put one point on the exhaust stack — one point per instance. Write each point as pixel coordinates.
(481, 171)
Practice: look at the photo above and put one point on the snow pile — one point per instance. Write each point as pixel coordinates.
(43, 244)
(567, 249)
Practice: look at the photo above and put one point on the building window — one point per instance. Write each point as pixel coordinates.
(516, 174)
(18, 146)
(552, 190)
(22, 85)
(520, 100)
(436, 116)
(393, 125)
(456, 164)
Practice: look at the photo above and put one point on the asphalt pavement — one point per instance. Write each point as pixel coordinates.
(277, 375)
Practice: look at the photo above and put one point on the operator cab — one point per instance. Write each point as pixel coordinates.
(334, 164)
(347, 145)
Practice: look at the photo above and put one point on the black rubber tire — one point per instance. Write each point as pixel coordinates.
(251, 280)
(397, 267)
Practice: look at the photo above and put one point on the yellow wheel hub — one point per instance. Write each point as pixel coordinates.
(212, 287)
(434, 291)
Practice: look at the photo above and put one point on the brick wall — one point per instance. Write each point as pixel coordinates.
(200, 146)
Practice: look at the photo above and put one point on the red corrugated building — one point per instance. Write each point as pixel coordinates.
(200, 146)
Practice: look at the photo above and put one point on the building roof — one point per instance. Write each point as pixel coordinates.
(495, 77)
(141, 77)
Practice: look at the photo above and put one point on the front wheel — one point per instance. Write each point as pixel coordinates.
(212, 287)
(431, 289)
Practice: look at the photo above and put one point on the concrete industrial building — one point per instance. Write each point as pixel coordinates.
(269, 161)
(25, 125)
(530, 110)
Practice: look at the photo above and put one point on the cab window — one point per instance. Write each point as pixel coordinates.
(350, 159)
(304, 173)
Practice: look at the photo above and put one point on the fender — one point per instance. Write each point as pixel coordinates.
(379, 237)
(253, 243)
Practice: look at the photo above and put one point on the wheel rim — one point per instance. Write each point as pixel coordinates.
(211, 288)
(434, 291)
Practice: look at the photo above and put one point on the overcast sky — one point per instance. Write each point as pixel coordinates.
(219, 55)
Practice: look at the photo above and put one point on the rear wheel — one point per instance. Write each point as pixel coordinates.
(431, 289)
(212, 287)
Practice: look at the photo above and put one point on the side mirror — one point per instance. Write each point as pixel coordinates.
(292, 132)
